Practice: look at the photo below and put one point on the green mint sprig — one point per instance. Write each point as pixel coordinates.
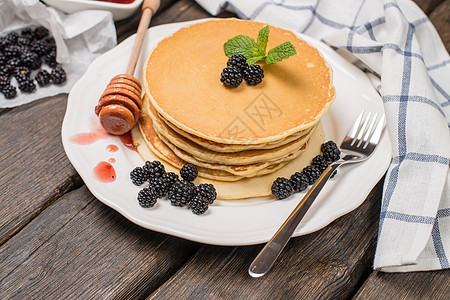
(256, 51)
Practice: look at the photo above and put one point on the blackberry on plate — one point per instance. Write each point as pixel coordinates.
(299, 181)
(58, 75)
(312, 173)
(253, 74)
(281, 188)
(199, 204)
(330, 151)
(231, 77)
(181, 192)
(155, 169)
(208, 191)
(138, 176)
(168, 179)
(238, 60)
(40, 32)
(146, 198)
(320, 163)
(189, 172)
(42, 77)
(159, 188)
(9, 91)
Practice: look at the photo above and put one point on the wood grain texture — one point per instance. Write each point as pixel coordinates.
(328, 264)
(440, 17)
(79, 248)
(427, 6)
(418, 285)
(34, 169)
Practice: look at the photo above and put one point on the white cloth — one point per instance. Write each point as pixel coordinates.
(394, 40)
(80, 38)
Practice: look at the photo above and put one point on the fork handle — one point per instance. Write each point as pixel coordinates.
(266, 258)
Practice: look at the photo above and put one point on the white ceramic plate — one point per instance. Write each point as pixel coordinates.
(240, 222)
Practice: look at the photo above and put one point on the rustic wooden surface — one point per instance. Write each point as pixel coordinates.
(58, 242)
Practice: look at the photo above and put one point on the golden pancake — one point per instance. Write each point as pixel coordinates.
(181, 77)
(235, 158)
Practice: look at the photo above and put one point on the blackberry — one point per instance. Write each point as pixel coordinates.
(312, 173)
(299, 181)
(4, 43)
(238, 60)
(13, 63)
(167, 180)
(42, 77)
(4, 81)
(159, 188)
(330, 151)
(21, 71)
(189, 172)
(5, 71)
(181, 192)
(31, 60)
(320, 163)
(199, 204)
(281, 188)
(50, 59)
(11, 51)
(26, 84)
(146, 198)
(138, 176)
(41, 48)
(155, 169)
(207, 191)
(27, 33)
(12, 37)
(253, 74)
(40, 32)
(9, 91)
(231, 77)
(58, 75)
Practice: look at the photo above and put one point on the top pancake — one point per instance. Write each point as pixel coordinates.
(181, 77)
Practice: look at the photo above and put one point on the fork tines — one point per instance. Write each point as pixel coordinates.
(364, 130)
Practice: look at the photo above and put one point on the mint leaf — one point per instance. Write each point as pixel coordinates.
(252, 60)
(241, 44)
(280, 52)
(263, 37)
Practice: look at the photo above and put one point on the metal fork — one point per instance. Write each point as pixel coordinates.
(357, 146)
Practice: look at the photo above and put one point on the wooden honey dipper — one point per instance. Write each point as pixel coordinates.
(120, 104)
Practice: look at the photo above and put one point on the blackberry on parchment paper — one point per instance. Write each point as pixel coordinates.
(58, 75)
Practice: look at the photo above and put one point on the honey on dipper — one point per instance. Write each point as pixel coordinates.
(120, 104)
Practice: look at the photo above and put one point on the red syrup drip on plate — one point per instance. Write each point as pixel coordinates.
(96, 132)
(112, 148)
(105, 172)
(112, 160)
(128, 141)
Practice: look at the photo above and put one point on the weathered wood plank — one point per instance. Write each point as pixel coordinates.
(34, 169)
(328, 264)
(79, 248)
(428, 5)
(440, 17)
(417, 285)
(183, 10)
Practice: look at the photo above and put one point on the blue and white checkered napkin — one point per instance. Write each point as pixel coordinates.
(397, 43)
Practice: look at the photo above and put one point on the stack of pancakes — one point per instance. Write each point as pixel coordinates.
(250, 133)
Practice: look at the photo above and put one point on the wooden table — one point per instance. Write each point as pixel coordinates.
(57, 241)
